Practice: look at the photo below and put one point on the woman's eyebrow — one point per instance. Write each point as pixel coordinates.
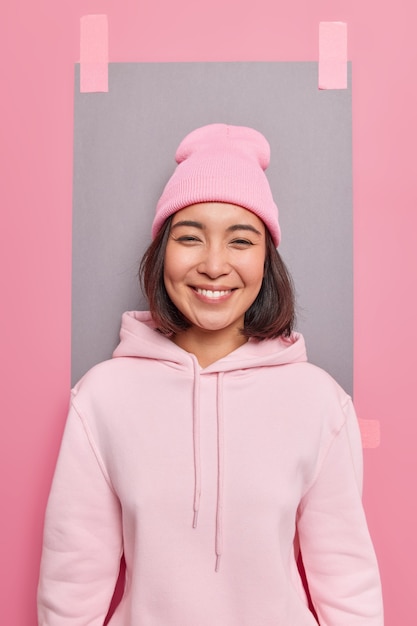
(244, 227)
(188, 223)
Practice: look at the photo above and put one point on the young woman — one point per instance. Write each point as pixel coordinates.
(208, 450)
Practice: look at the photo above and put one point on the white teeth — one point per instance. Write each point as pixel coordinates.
(212, 294)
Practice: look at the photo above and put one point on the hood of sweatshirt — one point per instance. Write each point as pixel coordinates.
(140, 339)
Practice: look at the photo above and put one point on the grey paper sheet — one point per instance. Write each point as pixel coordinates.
(124, 145)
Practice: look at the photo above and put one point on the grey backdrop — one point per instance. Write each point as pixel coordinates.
(124, 146)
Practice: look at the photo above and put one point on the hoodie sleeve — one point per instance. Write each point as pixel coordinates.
(337, 551)
(82, 536)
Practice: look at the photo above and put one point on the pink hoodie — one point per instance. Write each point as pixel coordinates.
(203, 478)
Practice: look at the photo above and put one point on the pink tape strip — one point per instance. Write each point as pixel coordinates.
(333, 55)
(370, 433)
(94, 53)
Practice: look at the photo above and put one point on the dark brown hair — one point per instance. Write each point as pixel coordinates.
(271, 315)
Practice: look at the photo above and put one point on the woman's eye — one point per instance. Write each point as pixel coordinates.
(188, 239)
(242, 242)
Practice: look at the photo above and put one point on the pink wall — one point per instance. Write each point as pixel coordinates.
(41, 46)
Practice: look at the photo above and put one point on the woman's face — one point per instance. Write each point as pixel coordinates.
(214, 264)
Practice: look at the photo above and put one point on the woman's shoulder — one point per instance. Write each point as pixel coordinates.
(110, 376)
(312, 387)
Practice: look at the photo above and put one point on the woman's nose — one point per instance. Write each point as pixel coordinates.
(214, 263)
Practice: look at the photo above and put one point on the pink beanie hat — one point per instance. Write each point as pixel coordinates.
(220, 163)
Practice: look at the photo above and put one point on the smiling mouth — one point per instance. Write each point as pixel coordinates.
(208, 293)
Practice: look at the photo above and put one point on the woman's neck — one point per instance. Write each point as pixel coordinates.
(209, 346)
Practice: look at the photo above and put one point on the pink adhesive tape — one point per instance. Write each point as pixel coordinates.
(332, 55)
(370, 433)
(94, 53)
